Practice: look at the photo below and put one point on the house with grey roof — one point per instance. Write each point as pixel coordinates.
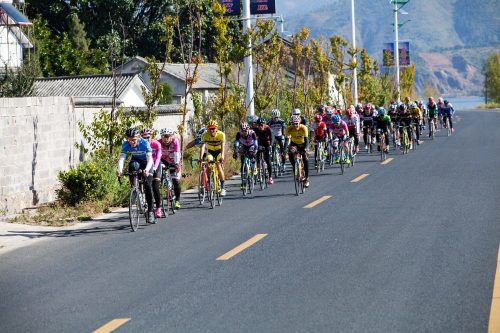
(97, 90)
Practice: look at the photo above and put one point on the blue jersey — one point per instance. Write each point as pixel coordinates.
(138, 152)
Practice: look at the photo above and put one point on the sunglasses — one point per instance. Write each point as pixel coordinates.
(132, 139)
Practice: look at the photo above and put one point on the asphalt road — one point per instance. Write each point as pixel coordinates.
(412, 247)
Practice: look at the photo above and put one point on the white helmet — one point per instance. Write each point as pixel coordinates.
(296, 112)
(166, 131)
(275, 113)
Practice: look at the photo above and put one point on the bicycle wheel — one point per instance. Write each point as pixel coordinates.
(260, 174)
(301, 175)
(448, 128)
(218, 190)
(211, 190)
(296, 177)
(341, 157)
(171, 199)
(405, 142)
(163, 193)
(202, 188)
(382, 147)
(134, 209)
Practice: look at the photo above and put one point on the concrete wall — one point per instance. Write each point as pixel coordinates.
(37, 136)
(37, 140)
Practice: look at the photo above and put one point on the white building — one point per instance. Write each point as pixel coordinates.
(13, 39)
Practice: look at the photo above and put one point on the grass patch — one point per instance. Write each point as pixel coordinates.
(489, 106)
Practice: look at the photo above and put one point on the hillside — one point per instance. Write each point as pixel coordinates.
(450, 39)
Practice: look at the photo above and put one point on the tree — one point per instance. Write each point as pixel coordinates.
(491, 71)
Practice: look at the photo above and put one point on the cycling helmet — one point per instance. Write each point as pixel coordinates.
(251, 119)
(348, 112)
(296, 112)
(413, 106)
(244, 126)
(381, 111)
(295, 119)
(146, 132)
(131, 132)
(359, 107)
(445, 102)
(212, 124)
(336, 119)
(275, 113)
(168, 132)
(368, 107)
(260, 121)
(317, 118)
(402, 107)
(329, 112)
(392, 107)
(440, 100)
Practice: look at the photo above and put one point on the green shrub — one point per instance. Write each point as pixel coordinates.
(88, 182)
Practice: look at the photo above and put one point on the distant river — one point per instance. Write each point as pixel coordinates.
(464, 103)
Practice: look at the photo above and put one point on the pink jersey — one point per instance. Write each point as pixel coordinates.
(328, 122)
(171, 152)
(341, 130)
(156, 147)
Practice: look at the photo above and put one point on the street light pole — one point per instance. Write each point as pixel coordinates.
(355, 71)
(396, 49)
(248, 60)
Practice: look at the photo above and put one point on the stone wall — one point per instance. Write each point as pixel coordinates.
(37, 136)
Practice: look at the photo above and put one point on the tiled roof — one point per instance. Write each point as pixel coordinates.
(82, 86)
(208, 75)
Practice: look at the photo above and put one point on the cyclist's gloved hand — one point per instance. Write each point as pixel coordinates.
(235, 156)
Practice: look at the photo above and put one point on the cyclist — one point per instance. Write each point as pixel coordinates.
(172, 159)
(423, 109)
(352, 120)
(404, 117)
(416, 116)
(214, 141)
(440, 105)
(146, 134)
(340, 131)
(383, 124)
(142, 160)
(319, 130)
(432, 113)
(299, 141)
(303, 120)
(265, 139)
(245, 144)
(277, 126)
(448, 112)
(367, 121)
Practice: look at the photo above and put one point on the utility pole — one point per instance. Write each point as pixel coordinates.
(355, 71)
(248, 60)
(396, 50)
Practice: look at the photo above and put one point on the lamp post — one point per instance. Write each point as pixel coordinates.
(248, 60)
(355, 71)
(396, 42)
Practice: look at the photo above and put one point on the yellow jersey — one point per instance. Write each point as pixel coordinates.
(416, 113)
(213, 142)
(298, 135)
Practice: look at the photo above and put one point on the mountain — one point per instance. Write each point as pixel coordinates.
(449, 39)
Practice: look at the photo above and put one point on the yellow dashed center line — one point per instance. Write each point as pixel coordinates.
(317, 202)
(363, 176)
(242, 247)
(112, 325)
(494, 325)
(387, 161)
